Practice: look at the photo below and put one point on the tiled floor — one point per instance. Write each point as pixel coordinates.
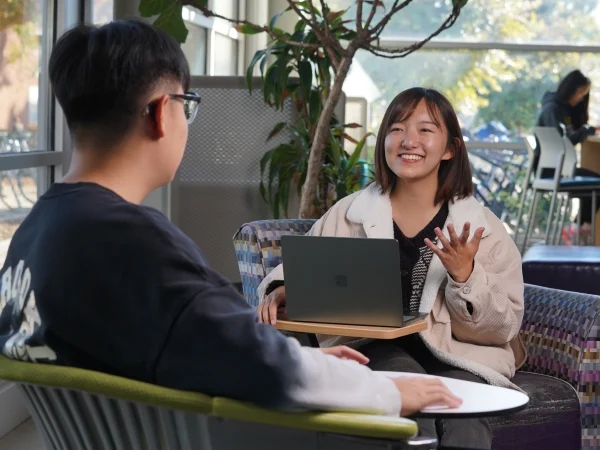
(24, 437)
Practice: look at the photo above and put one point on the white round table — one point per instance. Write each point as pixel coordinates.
(478, 399)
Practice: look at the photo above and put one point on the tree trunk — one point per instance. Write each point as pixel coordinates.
(309, 188)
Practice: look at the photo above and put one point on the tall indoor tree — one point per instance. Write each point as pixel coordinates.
(360, 33)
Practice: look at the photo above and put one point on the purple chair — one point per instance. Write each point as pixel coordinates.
(570, 268)
(560, 330)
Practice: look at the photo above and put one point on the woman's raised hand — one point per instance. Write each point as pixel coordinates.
(458, 253)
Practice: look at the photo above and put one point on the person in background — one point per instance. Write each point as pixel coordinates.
(569, 106)
(94, 279)
(458, 264)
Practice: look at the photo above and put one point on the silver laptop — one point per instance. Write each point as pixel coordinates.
(351, 281)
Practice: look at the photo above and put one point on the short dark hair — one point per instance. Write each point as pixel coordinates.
(566, 88)
(454, 176)
(101, 75)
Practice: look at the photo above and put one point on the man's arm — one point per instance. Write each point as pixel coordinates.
(216, 346)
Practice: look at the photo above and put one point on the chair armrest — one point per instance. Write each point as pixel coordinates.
(258, 250)
(354, 424)
(560, 332)
(54, 376)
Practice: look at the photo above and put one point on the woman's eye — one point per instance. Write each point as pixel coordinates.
(395, 129)
(426, 130)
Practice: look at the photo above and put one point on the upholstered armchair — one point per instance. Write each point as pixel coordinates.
(560, 330)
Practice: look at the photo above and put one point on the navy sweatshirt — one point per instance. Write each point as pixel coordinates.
(96, 282)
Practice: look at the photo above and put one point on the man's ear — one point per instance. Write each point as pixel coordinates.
(158, 117)
(450, 150)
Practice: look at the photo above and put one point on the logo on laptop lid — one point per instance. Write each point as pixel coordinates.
(341, 281)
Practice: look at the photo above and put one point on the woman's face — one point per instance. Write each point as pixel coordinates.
(415, 147)
(579, 94)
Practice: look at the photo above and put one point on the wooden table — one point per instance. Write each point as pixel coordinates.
(590, 159)
(358, 331)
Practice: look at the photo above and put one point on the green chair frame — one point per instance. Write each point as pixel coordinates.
(85, 410)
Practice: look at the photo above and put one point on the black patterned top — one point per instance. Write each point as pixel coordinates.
(415, 257)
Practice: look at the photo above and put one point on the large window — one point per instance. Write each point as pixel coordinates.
(573, 22)
(26, 162)
(497, 93)
(495, 63)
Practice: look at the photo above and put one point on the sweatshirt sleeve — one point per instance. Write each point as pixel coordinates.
(330, 383)
(216, 346)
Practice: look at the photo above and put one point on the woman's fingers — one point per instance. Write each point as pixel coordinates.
(434, 248)
(454, 239)
(465, 233)
(446, 244)
(273, 312)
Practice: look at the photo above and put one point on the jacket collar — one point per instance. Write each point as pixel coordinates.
(374, 211)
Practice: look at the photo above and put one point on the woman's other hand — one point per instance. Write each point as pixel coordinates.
(273, 307)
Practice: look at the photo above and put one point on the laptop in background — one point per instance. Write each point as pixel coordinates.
(340, 280)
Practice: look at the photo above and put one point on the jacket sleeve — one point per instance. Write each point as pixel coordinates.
(488, 308)
(551, 117)
(581, 134)
(216, 346)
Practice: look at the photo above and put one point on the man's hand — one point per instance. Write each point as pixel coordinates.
(343, 352)
(419, 393)
(272, 307)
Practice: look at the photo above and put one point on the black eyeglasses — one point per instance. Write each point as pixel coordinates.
(190, 100)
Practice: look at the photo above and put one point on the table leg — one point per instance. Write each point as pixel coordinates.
(312, 339)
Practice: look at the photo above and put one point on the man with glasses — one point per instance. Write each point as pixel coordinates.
(94, 279)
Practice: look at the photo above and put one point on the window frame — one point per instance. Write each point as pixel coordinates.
(213, 26)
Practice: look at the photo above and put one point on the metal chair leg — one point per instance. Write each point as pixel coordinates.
(565, 216)
(561, 212)
(550, 217)
(593, 218)
(578, 238)
(522, 205)
(530, 219)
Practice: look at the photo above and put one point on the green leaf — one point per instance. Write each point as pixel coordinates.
(150, 8)
(300, 26)
(250, 71)
(276, 206)
(356, 153)
(349, 36)
(336, 150)
(274, 19)
(263, 193)
(305, 73)
(332, 16)
(276, 129)
(264, 160)
(350, 138)
(314, 106)
(171, 21)
(376, 3)
(249, 28)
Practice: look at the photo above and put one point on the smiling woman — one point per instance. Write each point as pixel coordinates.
(457, 262)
